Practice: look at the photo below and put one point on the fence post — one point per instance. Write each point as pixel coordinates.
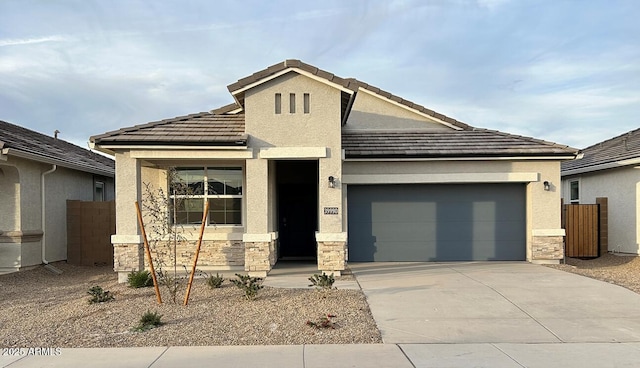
(604, 224)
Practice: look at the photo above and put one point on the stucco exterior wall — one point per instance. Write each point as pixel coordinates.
(370, 113)
(9, 198)
(320, 128)
(21, 221)
(622, 188)
(61, 185)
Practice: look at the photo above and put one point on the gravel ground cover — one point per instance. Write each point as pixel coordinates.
(42, 309)
(623, 270)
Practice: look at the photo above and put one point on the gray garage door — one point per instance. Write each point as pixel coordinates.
(455, 222)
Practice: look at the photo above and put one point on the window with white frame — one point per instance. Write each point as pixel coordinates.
(574, 191)
(98, 191)
(192, 187)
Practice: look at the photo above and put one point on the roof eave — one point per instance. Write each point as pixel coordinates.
(53, 161)
(600, 167)
(555, 157)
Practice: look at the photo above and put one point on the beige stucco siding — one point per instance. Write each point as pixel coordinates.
(9, 198)
(320, 128)
(22, 213)
(622, 188)
(370, 113)
(61, 185)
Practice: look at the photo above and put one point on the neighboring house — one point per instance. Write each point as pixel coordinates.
(38, 174)
(307, 165)
(610, 169)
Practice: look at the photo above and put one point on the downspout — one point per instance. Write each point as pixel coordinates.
(44, 233)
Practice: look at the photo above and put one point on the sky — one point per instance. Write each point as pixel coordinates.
(559, 70)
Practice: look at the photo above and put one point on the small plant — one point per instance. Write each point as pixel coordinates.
(325, 321)
(322, 281)
(140, 279)
(148, 321)
(98, 295)
(215, 282)
(250, 285)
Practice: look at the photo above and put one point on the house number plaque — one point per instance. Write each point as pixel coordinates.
(331, 210)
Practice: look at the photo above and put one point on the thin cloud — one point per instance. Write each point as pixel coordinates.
(31, 41)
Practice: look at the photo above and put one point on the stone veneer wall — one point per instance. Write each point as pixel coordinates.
(547, 248)
(332, 256)
(128, 257)
(259, 257)
(227, 253)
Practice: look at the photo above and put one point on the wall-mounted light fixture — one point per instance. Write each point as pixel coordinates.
(332, 182)
(547, 186)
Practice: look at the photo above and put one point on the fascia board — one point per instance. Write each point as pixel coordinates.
(52, 161)
(462, 158)
(285, 71)
(610, 165)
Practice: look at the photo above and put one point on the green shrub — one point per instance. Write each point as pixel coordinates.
(98, 295)
(140, 279)
(215, 282)
(250, 285)
(322, 281)
(148, 321)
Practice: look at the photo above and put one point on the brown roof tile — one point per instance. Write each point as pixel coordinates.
(462, 143)
(620, 148)
(65, 154)
(203, 128)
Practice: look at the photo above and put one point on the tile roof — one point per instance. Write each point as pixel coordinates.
(223, 126)
(610, 152)
(204, 128)
(461, 143)
(351, 84)
(27, 143)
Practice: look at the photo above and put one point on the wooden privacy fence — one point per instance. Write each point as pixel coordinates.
(89, 229)
(582, 225)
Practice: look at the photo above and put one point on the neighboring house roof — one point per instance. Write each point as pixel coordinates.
(201, 129)
(463, 143)
(623, 150)
(225, 126)
(21, 142)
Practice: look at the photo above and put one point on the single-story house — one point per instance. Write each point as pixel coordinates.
(38, 174)
(610, 169)
(307, 165)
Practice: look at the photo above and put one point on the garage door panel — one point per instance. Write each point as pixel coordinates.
(401, 211)
(437, 222)
(391, 231)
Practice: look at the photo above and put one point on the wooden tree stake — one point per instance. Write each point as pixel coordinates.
(146, 248)
(195, 260)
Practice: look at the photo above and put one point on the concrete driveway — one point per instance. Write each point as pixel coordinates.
(495, 302)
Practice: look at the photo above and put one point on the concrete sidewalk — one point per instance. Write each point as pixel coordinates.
(566, 355)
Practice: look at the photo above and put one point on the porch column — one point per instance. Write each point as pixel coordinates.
(259, 243)
(127, 243)
(331, 239)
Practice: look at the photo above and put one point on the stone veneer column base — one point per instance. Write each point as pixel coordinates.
(547, 249)
(127, 258)
(332, 252)
(259, 254)
(332, 257)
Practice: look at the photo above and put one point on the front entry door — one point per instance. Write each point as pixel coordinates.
(297, 210)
